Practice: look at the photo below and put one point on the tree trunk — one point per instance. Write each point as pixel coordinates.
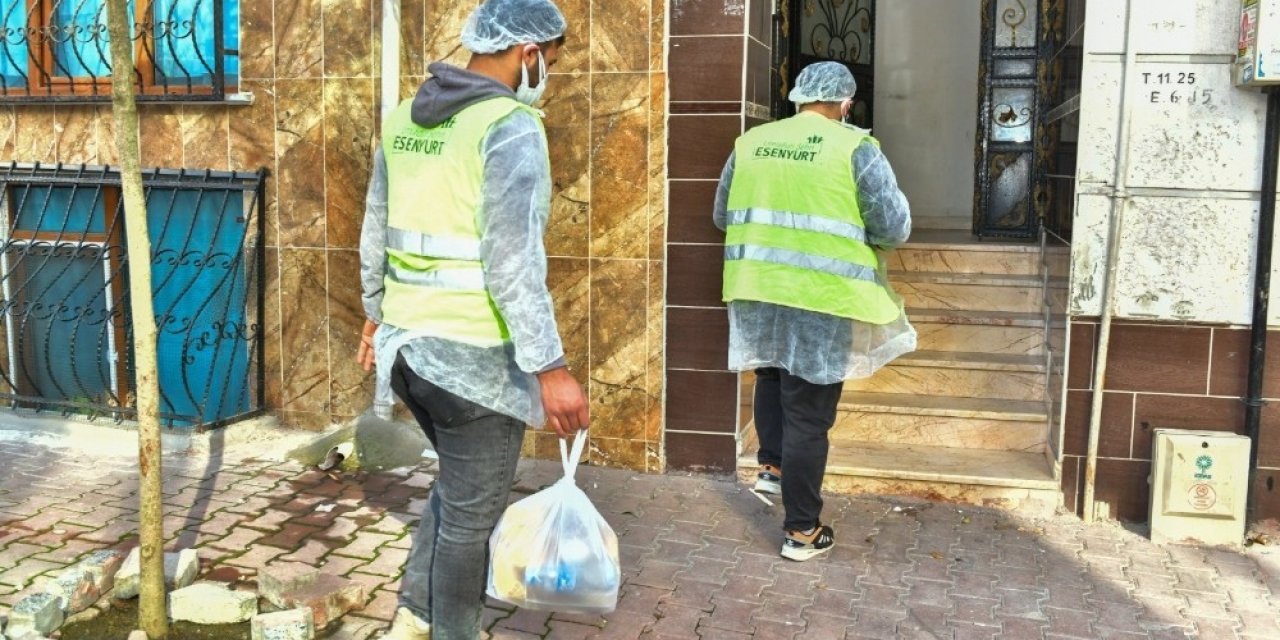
(153, 616)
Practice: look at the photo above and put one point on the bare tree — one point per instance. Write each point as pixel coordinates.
(153, 617)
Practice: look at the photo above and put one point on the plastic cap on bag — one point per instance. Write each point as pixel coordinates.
(498, 25)
(824, 82)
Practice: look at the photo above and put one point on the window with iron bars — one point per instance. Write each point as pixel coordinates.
(65, 329)
(58, 50)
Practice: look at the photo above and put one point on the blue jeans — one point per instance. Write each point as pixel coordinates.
(448, 567)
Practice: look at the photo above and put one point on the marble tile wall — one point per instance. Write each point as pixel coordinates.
(606, 117)
(312, 66)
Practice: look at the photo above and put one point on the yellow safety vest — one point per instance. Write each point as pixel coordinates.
(435, 281)
(796, 236)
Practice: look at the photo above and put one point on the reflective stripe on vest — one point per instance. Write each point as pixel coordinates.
(800, 222)
(436, 247)
(801, 260)
(435, 283)
(796, 236)
(456, 279)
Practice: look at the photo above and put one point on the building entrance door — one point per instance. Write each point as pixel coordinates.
(1028, 100)
(828, 30)
(975, 101)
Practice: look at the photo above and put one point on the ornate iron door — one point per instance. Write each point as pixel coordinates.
(1021, 81)
(809, 31)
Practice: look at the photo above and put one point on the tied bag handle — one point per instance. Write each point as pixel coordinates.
(571, 459)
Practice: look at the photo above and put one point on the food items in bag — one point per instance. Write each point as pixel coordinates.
(553, 551)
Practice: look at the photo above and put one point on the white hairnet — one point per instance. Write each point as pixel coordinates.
(498, 25)
(824, 82)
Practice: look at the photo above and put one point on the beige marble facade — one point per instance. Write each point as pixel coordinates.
(313, 69)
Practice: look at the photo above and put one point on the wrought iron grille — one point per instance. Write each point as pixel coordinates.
(1022, 80)
(809, 31)
(58, 50)
(65, 335)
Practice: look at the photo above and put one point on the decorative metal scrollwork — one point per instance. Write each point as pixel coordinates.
(1008, 121)
(1014, 18)
(65, 328)
(57, 50)
(839, 29)
(1009, 117)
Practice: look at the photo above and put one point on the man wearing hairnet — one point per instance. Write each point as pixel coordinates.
(453, 270)
(808, 204)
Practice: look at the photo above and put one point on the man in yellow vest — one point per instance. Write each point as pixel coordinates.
(807, 204)
(454, 271)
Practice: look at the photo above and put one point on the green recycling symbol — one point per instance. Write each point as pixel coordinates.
(1204, 463)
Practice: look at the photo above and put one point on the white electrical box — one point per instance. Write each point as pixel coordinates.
(1199, 487)
(1258, 61)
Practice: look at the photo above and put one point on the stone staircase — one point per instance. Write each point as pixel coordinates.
(966, 417)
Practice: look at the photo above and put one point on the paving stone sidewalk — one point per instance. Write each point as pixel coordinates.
(699, 555)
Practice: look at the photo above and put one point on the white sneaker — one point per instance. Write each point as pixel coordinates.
(769, 480)
(407, 626)
(796, 547)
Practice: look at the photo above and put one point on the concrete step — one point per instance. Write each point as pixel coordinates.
(974, 361)
(964, 241)
(952, 259)
(940, 431)
(959, 373)
(943, 464)
(1005, 479)
(946, 421)
(969, 292)
(986, 332)
(944, 406)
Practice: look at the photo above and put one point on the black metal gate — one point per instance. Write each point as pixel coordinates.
(1022, 87)
(65, 335)
(809, 31)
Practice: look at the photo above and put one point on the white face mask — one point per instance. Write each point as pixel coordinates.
(531, 95)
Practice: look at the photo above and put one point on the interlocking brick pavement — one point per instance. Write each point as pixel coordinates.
(699, 555)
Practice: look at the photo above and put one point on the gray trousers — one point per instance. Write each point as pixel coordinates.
(446, 574)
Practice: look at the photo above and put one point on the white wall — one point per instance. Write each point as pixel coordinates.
(1187, 243)
(926, 100)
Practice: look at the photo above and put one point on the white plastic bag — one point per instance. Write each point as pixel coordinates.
(552, 551)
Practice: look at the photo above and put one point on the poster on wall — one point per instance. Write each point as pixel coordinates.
(1258, 55)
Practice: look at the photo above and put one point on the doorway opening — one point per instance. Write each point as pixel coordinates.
(974, 101)
(975, 104)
